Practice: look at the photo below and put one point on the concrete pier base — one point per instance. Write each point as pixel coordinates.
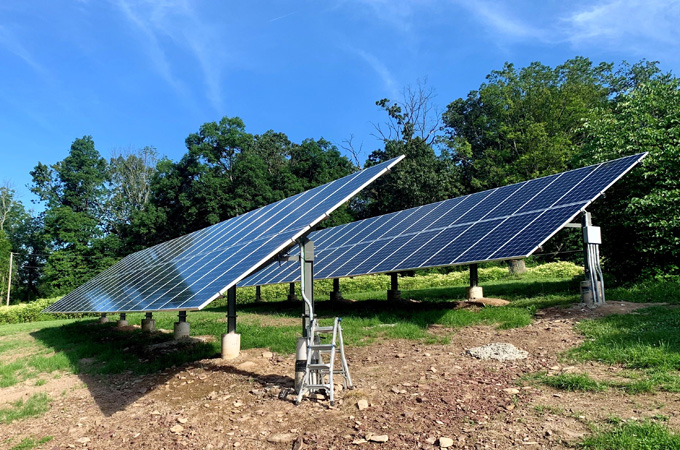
(103, 319)
(336, 296)
(148, 325)
(122, 323)
(231, 345)
(181, 330)
(394, 295)
(474, 292)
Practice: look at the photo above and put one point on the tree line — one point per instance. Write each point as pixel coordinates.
(521, 123)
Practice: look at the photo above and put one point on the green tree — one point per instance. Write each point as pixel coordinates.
(526, 123)
(641, 214)
(76, 194)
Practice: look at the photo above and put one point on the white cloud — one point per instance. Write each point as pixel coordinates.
(177, 22)
(389, 83)
(12, 44)
(638, 25)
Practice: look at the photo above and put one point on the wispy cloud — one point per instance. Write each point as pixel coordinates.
(501, 19)
(177, 22)
(389, 83)
(635, 24)
(11, 43)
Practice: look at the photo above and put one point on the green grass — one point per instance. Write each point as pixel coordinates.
(631, 435)
(29, 443)
(36, 405)
(573, 382)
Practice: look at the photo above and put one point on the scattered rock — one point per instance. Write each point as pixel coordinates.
(499, 351)
(362, 404)
(359, 441)
(445, 442)
(181, 420)
(379, 438)
(267, 355)
(511, 391)
(177, 429)
(83, 440)
(246, 366)
(281, 438)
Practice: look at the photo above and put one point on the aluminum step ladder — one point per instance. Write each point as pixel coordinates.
(320, 364)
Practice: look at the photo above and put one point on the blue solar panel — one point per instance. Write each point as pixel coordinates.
(191, 271)
(505, 223)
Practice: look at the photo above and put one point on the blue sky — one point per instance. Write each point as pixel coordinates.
(136, 73)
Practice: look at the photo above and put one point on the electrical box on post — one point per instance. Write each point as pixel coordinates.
(592, 235)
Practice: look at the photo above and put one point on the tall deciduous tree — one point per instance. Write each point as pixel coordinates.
(525, 123)
(76, 194)
(641, 214)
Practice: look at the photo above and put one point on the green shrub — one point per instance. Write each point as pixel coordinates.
(31, 312)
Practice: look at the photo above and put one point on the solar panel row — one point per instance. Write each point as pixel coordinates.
(505, 223)
(191, 271)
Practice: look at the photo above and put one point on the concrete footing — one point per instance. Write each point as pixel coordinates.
(181, 330)
(394, 295)
(336, 296)
(300, 361)
(474, 292)
(231, 345)
(148, 325)
(122, 323)
(103, 319)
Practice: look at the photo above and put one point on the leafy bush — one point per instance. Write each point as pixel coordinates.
(31, 312)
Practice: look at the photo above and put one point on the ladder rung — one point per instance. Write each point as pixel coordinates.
(322, 347)
(312, 387)
(324, 329)
(325, 367)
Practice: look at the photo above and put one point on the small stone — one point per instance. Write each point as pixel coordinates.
(426, 355)
(362, 404)
(396, 390)
(359, 441)
(155, 413)
(511, 391)
(267, 355)
(83, 440)
(382, 438)
(509, 407)
(181, 420)
(281, 438)
(433, 369)
(238, 404)
(445, 442)
(431, 440)
(177, 429)
(401, 355)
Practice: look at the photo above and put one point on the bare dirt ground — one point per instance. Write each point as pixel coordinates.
(416, 394)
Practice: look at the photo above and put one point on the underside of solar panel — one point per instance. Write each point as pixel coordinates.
(509, 222)
(189, 272)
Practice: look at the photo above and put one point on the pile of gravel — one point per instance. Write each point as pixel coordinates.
(499, 350)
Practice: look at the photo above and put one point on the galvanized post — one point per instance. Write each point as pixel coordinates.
(474, 275)
(258, 294)
(307, 284)
(231, 310)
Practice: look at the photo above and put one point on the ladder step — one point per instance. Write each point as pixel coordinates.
(322, 347)
(312, 387)
(326, 367)
(324, 329)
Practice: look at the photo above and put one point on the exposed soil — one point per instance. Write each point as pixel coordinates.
(416, 394)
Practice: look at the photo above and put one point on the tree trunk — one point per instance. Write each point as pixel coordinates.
(517, 266)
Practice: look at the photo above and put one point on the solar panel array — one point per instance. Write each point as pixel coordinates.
(191, 271)
(509, 222)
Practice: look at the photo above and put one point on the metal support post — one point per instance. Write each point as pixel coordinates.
(182, 316)
(335, 293)
(307, 282)
(592, 289)
(258, 293)
(394, 294)
(9, 276)
(231, 310)
(474, 275)
(292, 297)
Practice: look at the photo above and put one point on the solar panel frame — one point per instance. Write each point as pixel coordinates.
(560, 191)
(209, 244)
